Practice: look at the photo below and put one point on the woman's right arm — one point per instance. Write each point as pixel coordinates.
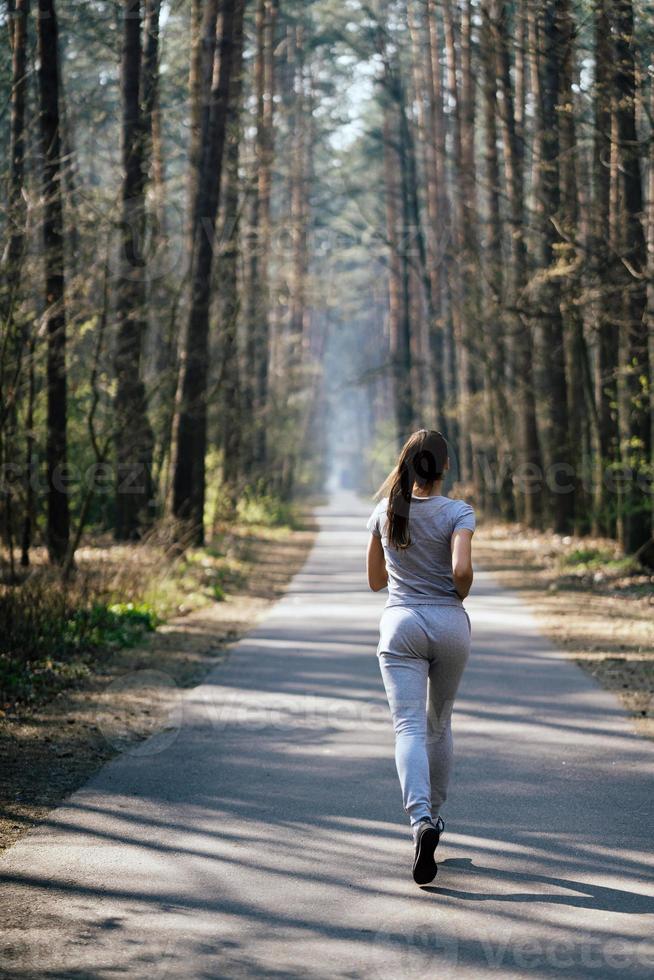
(376, 564)
(462, 561)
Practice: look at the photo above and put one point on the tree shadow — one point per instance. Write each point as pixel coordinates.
(597, 897)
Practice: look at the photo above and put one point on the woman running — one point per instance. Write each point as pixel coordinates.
(420, 547)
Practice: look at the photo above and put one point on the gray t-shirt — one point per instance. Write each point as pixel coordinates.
(422, 573)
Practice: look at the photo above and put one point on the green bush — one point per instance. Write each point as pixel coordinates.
(581, 556)
(120, 624)
(265, 509)
(588, 556)
(46, 643)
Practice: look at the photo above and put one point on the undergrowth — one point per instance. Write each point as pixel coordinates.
(53, 633)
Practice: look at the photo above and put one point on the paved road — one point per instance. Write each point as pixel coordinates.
(264, 836)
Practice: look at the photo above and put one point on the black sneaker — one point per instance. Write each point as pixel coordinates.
(427, 836)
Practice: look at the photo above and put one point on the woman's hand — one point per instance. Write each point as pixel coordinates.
(376, 564)
(462, 561)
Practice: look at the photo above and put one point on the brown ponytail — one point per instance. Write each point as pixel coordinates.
(421, 461)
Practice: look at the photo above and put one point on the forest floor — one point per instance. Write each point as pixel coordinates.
(50, 748)
(592, 603)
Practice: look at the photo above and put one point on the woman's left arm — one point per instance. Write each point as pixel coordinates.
(376, 564)
(462, 572)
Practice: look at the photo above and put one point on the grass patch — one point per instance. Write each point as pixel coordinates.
(599, 564)
(52, 633)
(266, 510)
(48, 642)
(120, 624)
(589, 557)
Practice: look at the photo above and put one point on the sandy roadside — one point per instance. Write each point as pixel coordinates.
(604, 621)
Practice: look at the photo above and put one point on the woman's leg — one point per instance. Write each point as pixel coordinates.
(450, 629)
(440, 750)
(405, 680)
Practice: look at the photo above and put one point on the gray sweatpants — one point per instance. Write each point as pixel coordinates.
(422, 652)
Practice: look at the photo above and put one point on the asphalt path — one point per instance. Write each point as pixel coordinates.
(260, 832)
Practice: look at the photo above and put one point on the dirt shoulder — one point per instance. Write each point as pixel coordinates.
(50, 750)
(592, 603)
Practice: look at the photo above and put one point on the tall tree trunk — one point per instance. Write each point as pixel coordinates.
(441, 228)
(231, 419)
(203, 20)
(405, 237)
(604, 269)
(579, 381)
(463, 291)
(521, 66)
(533, 134)
(189, 476)
(399, 323)
(650, 250)
(635, 365)
(254, 297)
(430, 262)
(13, 256)
(152, 159)
(133, 438)
(495, 357)
(528, 481)
(160, 352)
(58, 519)
(257, 317)
(204, 17)
(562, 488)
(30, 440)
(12, 331)
(298, 205)
(425, 338)
(397, 224)
(440, 221)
